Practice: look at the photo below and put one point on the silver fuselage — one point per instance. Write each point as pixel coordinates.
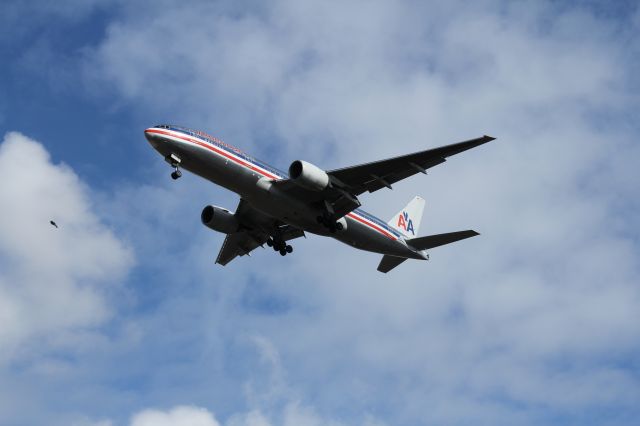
(252, 180)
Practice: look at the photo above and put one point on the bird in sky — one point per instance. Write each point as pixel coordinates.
(53, 223)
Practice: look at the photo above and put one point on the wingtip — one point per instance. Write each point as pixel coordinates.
(489, 138)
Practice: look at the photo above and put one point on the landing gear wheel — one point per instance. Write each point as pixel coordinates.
(283, 252)
(288, 249)
(276, 244)
(174, 161)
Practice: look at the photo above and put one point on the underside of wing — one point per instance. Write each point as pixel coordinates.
(335, 200)
(257, 229)
(238, 244)
(341, 196)
(380, 174)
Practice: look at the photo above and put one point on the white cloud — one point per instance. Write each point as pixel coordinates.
(54, 283)
(178, 416)
(293, 415)
(525, 315)
(535, 318)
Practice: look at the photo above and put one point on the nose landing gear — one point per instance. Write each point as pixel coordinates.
(174, 161)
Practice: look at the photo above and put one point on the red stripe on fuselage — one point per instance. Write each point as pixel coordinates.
(262, 172)
(361, 220)
(216, 150)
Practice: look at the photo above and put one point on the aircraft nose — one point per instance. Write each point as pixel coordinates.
(152, 136)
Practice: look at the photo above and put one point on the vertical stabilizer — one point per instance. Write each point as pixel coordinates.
(407, 221)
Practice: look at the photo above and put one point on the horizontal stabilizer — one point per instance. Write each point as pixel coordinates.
(389, 262)
(431, 241)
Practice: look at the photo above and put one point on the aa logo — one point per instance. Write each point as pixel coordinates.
(405, 223)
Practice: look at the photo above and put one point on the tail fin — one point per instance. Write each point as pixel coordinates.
(407, 221)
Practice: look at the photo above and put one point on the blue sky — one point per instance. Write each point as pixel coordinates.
(121, 317)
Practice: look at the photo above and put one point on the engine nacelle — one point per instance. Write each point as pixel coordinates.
(219, 219)
(308, 176)
(342, 224)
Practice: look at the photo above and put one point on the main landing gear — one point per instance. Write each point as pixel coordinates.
(330, 224)
(174, 161)
(280, 246)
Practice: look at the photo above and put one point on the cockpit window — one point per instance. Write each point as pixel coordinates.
(162, 126)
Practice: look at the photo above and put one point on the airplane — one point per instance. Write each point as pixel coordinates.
(276, 207)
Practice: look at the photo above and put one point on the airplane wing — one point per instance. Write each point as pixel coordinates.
(380, 174)
(258, 228)
(349, 182)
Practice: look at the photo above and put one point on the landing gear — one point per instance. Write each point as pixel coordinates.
(279, 246)
(174, 161)
(285, 250)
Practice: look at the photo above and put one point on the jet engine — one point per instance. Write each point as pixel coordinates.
(308, 176)
(341, 224)
(219, 219)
